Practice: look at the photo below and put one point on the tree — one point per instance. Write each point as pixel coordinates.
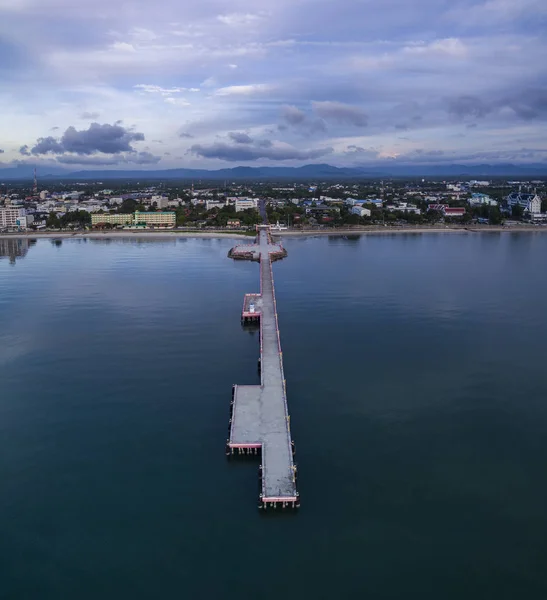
(494, 216)
(128, 206)
(53, 221)
(517, 212)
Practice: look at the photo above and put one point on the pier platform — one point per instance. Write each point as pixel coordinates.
(260, 422)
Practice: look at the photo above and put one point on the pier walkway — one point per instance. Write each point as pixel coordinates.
(260, 422)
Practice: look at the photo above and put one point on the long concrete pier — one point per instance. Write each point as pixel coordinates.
(260, 421)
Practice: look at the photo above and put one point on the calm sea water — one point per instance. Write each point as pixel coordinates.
(418, 395)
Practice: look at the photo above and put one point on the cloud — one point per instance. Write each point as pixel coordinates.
(240, 138)
(360, 152)
(89, 115)
(156, 89)
(184, 134)
(293, 115)
(449, 46)
(299, 121)
(341, 113)
(177, 101)
(24, 150)
(246, 153)
(54, 128)
(244, 90)
(238, 19)
(108, 139)
(1, 151)
(468, 106)
(139, 158)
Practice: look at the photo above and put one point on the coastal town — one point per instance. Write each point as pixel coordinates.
(82, 206)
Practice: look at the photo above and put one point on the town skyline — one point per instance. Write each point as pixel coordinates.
(376, 84)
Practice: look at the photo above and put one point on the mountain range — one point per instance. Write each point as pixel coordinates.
(306, 172)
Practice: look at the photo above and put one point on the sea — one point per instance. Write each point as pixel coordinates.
(417, 388)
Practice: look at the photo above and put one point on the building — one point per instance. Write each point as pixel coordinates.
(15, 218)
(405, 207)
(106, 218)
(531, 203)
(362, 212)
(234, 223)
(475, 183)
(439, 207)
(245, 203)
(149, 219)
(155, 219)
(453, 212)
(44, 194)
(481, 200)
(160, 201)
(210, 204)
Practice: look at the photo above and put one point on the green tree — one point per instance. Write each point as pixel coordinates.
(494, 216)
(53, 221)
(517, 212)
(128, 206)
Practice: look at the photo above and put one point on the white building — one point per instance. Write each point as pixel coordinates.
(245, 203)
(116, 200)
(14, 218)
(405, 207)
(210, 204)
(475, 183)
(362, 212)
(531, 203)
(161, 201)
(44, 194)
(481, 199)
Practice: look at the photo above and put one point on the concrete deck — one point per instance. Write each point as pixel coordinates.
(260, 414)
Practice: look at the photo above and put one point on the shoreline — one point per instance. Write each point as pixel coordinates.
(283, 233)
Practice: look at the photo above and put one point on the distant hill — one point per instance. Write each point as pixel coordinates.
(306, 172)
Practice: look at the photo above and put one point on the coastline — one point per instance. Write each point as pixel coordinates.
(283, 233)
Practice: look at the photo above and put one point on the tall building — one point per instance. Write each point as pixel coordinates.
(14, 218)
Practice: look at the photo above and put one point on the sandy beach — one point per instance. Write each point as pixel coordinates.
(283, 233)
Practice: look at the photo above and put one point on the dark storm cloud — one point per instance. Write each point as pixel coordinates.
(46, 145)
(24, 150)
(341, 113)
(108, 139)
(250, 153)
(240, 137)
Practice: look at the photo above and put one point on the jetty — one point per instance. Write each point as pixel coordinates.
(259, 416)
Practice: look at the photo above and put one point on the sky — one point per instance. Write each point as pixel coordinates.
(136, 84)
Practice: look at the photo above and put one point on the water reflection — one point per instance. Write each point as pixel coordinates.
(14, 248)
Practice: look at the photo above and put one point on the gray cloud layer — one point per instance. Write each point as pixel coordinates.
(257, 80)
(246, 153)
